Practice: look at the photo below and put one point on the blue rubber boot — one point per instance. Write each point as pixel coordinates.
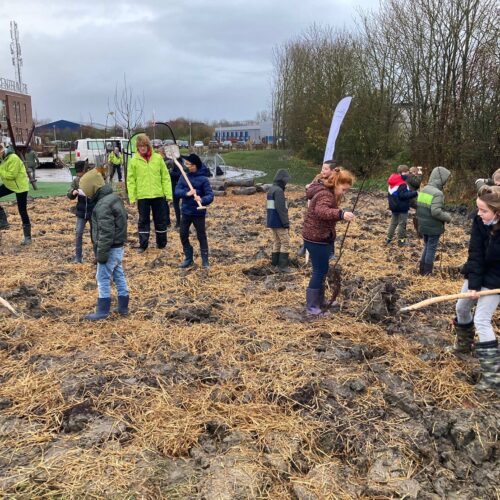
(122, 305)
(102, 310)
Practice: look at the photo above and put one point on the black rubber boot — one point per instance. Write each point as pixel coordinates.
(489, 358)
(102, 310)
(421, 268)
(275, 257)
(283, 263)
(4, 223)
(427, 269)
(27, 234)
(464, 337)
(122, 305)
(188, 261)
(204, 259)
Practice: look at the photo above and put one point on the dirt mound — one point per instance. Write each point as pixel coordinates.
(218, 386)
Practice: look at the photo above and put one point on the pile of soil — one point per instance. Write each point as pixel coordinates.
(217, 386)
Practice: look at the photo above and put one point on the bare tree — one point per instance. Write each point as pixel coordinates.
(129, 108)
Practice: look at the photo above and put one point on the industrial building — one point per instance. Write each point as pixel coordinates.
(258, 133)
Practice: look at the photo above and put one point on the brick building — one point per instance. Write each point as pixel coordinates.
(15, 102)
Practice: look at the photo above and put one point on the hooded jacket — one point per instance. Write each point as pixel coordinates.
(483, 263)
(148, 179)
(277, 208)
(399, 195)
(13, 173)
(322, 214)
(203, 188)
(430, 201)
(84, 204)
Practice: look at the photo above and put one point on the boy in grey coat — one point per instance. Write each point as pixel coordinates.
(432, 217)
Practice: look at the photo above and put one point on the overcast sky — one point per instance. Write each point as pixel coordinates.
(199, 59)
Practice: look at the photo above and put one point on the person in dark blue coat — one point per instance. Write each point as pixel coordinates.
(399, 204)
(278, 221)
(201, 192)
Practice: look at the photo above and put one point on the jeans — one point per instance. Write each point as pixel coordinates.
(281, 243)
(199, 224)
(485, 308)
(430, 247)
(79, 229)
(112, 269)
(159, 208)
(398, 220)
(320, 257)
(22, 203)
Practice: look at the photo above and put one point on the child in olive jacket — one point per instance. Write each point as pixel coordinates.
(432, 217)
(109, 234)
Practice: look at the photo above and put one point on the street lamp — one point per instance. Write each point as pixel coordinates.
(54, 127)
(190, 142)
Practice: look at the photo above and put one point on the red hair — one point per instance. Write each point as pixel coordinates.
(339, 176)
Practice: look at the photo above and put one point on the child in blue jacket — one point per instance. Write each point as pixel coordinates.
(201, 192)
(399, 197)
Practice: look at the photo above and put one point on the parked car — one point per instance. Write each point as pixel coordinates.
(227, 144)
(156, 143)
(241, 144)
(168, 142)
(213, 144)
(198, 144)
(183, 144)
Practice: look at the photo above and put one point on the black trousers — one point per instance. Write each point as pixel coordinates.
(199, 224)
(177, 209)
(116, 168)
(159, 208)
(22, 203)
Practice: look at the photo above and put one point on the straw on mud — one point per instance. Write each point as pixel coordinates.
(207, 350)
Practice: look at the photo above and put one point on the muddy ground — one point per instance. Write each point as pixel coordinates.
(217, 387)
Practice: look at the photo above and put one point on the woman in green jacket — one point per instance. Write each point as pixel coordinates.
(15, 180)
(148, 183)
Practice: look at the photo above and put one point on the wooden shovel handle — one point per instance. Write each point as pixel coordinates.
(4, 303)
(446, 298)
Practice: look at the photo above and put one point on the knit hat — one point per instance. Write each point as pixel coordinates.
(91, 182)
(194, 159)
(80, 166)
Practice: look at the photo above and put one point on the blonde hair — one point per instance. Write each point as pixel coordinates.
(143, 140)
(496, 176)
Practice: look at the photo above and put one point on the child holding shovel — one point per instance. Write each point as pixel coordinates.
(482, 272)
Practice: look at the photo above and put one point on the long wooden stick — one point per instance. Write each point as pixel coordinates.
(188, 182)
(445, 298)
(4, 303)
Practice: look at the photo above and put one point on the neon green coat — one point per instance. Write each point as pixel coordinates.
(147, 180)
(115, 160)
(13, 173)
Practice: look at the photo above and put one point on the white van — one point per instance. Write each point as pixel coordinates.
(96, 150)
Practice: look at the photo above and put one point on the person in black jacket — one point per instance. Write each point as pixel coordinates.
(399, 197)
(83, 210)
(278, 222)
(109, 234)
(201, 192)
(482, 272)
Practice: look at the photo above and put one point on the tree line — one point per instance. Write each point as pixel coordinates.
(424, 76)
